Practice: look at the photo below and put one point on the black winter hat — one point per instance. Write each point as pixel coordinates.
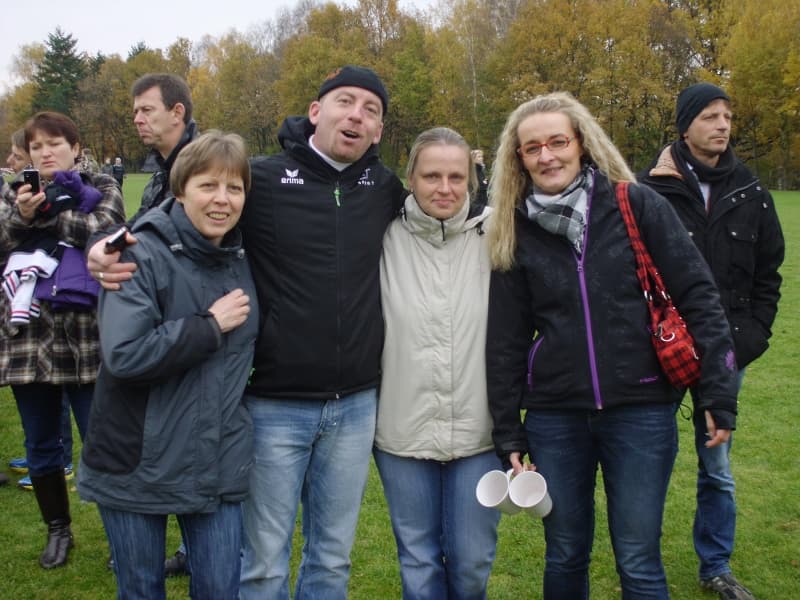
(693, 100)
(351, 75)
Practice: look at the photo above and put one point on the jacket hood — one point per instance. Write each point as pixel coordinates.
(170, 223)
(664, 165)
(437, 231)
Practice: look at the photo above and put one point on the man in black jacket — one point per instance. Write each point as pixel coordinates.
(733, 221)
(313, 228)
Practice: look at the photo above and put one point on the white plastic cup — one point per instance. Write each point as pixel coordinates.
(528, 491)
(492, 491)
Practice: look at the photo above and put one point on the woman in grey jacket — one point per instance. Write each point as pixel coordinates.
(433, 440)
(168, 432)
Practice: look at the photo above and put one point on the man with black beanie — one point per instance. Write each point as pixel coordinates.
(732, 219)
(313, 228)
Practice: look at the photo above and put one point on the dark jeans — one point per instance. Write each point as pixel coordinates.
(41, 410)
(635, 446)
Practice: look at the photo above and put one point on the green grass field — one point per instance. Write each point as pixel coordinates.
(766, 458)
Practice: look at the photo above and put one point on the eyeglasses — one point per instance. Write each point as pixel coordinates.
(555, 144)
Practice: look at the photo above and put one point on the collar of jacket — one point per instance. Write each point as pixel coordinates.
(438, 231)
(665, 165)
(189, 134)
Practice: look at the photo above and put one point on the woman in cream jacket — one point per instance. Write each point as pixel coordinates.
(433, 440)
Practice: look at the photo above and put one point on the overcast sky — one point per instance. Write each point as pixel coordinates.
(113, 27)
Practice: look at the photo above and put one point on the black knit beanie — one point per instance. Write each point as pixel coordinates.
(692, 101)
(351, 75)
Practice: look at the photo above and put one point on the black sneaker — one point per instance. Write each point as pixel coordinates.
(727, 587)
(175, 566)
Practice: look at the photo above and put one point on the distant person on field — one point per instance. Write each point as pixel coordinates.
(732, 219)
(107, 167)
(482, 193)
(118, 171)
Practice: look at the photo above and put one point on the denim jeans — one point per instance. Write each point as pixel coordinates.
(635, 446)
(316, 452)
(715, 517)
(66, 429)
(445, 539)
(213, 541)
(40, 407)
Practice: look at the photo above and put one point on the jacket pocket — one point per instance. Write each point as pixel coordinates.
(742, 238)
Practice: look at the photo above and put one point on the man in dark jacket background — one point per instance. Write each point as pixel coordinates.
(162, 114)
(733, 221)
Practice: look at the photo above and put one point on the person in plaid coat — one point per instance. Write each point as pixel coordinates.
(57, 351)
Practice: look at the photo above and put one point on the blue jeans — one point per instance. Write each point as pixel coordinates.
(715, 517)
(213, 541)
(635, 446)
(40, 408)
(445, 539)
(316, 452)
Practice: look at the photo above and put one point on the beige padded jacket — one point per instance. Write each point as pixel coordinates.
(435, 290)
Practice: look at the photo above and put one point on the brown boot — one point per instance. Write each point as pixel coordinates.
(51, 494)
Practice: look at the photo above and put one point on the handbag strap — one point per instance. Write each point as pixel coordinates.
(645, 268)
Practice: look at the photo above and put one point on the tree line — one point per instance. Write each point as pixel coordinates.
(462, 63)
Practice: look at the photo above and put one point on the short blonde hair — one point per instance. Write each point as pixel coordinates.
(211, 151)
(441, 136)
(510, 179)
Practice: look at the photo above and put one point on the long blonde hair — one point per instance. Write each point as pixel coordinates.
(510, 179)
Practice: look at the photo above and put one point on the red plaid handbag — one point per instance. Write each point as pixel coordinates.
(672, 341)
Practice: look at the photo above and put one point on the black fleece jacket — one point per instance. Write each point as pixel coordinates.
(570, 334)
(314, 239)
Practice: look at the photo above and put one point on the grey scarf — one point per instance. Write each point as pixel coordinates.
(564, 213)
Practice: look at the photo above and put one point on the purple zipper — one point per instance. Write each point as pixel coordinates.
(531, 356)
(598, 400)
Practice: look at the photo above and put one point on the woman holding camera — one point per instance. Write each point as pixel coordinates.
(568, 341)
(49, 342)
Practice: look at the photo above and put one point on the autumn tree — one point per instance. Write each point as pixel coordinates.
(105, 120)
(59, 74)
(232, 90)
(763, 88)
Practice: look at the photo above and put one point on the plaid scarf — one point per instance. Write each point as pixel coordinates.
(565, 213)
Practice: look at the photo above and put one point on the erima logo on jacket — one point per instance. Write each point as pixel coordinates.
(292, 177)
